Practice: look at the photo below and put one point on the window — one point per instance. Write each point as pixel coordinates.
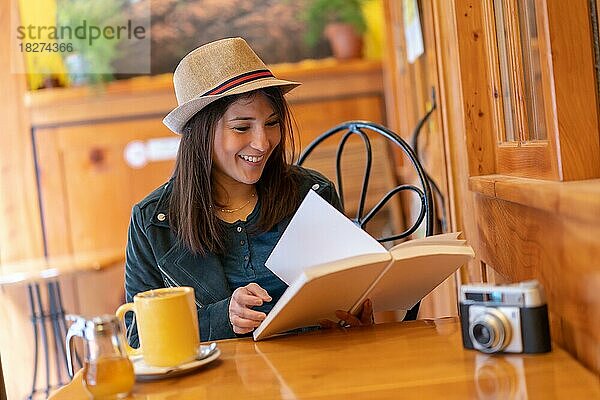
(520, 71)
(516, 43)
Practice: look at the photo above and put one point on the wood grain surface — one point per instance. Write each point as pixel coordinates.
(420, 360)
(21, 232)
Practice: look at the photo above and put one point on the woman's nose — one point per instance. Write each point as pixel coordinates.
(260, 140)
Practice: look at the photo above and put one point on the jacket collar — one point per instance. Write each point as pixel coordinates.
(160, 216)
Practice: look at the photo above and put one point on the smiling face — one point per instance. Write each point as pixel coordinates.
(244, 139)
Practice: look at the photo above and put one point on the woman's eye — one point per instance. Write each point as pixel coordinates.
(240, 128)
(273, 123)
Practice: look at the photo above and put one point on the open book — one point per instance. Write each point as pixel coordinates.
(331, 264)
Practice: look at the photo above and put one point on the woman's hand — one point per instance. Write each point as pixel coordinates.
(364, 317)
(241, 315)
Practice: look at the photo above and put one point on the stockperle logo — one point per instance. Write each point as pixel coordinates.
(82, 37)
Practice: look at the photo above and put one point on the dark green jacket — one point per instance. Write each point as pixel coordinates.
(154, 259)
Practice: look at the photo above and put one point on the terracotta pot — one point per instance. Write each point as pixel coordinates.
(344, 41)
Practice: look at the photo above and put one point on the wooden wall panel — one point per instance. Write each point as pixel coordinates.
(574, 89)
(453, 126)
(392, 71)
(53, 199)
(408, 97)
(100, 188)
(475, 94)
(314, 118)
(20, 234)
(521, 243)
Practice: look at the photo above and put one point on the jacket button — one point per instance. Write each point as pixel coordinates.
(239, 228)
(161, 217)
(315, 186)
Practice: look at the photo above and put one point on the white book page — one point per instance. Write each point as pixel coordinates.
(318, 233)
(414, 273)
(447, 238)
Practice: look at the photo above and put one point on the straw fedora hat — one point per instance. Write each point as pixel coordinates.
(215, 70)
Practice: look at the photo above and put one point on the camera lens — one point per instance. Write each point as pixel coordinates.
(490, 331)
(482, 334)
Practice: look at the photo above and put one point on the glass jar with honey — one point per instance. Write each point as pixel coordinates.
(107, 371)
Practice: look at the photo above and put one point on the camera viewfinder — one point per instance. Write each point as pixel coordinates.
(476, 296)
(496, 297)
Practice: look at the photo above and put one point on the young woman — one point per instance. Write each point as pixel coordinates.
(232, 194)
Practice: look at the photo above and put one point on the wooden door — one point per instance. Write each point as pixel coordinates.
(411, 85)
(92, 175)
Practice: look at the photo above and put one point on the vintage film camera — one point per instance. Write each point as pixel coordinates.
(505, 318)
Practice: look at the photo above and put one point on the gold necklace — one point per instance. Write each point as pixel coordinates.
(232, 210)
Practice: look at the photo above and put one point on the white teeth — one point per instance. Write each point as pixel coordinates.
(252, 158)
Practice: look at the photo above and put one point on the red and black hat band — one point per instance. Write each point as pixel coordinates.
(238, 80)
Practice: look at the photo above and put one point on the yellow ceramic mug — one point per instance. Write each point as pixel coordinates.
(167, 325)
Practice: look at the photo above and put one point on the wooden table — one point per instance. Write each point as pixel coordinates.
(420, 359)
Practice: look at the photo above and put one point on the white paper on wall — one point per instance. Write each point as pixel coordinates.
(412, 30)
(139, 153)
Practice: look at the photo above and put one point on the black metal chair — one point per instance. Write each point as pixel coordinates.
(361, 128)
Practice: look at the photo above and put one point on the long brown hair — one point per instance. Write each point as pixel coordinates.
(192, 202)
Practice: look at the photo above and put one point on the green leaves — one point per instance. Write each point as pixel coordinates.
(80, 23)
(319, 13)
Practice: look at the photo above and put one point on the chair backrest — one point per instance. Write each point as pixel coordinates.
(359, 199)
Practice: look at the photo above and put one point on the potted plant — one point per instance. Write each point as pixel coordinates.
(90, 62)
(340, 21)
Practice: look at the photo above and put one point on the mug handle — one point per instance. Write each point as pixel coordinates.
(121, 311)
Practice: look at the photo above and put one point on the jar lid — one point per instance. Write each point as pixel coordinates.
(101, 325)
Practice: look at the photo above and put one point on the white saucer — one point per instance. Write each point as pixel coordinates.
(144, 372)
